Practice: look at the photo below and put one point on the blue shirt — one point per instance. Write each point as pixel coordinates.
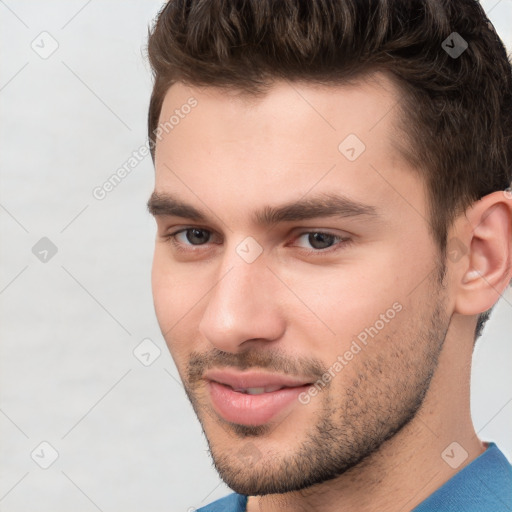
(484, 485)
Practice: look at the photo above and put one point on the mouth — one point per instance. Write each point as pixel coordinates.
(257, 391)
(253, 398)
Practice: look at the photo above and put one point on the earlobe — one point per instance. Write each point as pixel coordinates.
(487, 269)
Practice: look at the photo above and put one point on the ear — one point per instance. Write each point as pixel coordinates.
(485, 236)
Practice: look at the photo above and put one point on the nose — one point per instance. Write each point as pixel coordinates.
(243, 306)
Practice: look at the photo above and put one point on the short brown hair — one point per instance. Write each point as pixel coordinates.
(456, 111)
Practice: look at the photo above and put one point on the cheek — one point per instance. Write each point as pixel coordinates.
(180, 295)
(171, 304)
(172, 290)
(347, 297)
(359, 304)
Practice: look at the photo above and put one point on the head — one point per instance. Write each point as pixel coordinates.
(329, 198)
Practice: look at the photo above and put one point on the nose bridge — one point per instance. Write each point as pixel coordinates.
(243, 272)
(241, 305)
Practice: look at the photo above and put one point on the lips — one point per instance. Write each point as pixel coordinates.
(252, 398)
(253, 379)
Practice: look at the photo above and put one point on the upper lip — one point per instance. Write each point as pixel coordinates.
(253, 379)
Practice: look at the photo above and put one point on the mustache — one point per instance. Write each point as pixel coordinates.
(269, 360)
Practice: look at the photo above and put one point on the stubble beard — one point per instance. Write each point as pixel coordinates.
(353, 422)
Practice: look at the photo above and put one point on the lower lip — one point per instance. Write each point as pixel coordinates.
(245, 409)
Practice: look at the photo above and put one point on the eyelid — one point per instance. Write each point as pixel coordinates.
(342, 241)
(172, 236)
(321, 231)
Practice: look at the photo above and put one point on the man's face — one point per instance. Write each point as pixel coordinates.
(337, 299)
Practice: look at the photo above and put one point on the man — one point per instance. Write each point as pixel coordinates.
(334, 225)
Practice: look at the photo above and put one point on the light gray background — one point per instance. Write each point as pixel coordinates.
(126, 437)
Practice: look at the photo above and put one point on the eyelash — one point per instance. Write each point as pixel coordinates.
(341, 242)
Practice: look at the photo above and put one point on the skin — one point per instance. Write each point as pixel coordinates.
(373, 438)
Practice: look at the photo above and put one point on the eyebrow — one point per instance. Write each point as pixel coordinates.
(325, 205)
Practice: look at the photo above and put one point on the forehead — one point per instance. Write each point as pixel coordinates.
(277, 147)
(360, 103)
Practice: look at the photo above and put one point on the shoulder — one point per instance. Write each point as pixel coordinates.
(484, 484)
(232, 503)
